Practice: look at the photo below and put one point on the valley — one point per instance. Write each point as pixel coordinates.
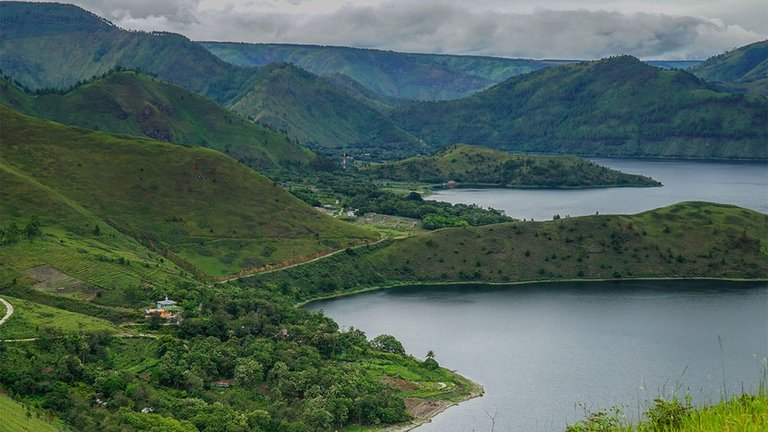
(296, 237)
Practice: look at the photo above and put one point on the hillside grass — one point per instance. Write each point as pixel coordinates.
(687, 240)
(17, 418)
(31, 320)
(209, 214)
(480, 165)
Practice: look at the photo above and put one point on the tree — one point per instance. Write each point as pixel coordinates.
(430, 362)
(248, 372)
(33, 227)
(387, 343)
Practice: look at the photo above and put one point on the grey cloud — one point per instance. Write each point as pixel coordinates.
(425, 26)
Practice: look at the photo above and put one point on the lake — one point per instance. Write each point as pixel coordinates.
(741, 183)
(540, 350)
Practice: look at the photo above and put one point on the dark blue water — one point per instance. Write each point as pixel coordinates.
(741, 183)
(541, 350)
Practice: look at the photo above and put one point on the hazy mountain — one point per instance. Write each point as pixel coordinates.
(613, 107)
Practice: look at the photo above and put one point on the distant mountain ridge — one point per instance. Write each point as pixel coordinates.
(744, 69)
(131, 103)
(391, 74)
(50, 45)
(611, 107)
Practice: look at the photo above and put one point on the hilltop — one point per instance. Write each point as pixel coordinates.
(388, 73)
(479, 165)
(131, 103)
(206, 212)
(612, 107)
(744, 69)
(325, 119)
(686, 240)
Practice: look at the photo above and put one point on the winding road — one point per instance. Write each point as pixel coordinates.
(8, 311)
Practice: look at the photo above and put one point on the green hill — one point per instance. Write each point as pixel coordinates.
(613, 107)
(203, 210)
(130, 103)
(388, 73)
(322, 117)
(744, 69)
(687, 240)
(479, 165)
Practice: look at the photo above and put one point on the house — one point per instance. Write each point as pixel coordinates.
(223, 384)
(166, 304)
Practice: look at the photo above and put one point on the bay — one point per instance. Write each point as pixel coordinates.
(740, 183)
(543, 352)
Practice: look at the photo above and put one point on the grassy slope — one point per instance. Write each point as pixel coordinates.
(388, 73)
(317, 114)
(134, 104)
(108, 264)
(681, 241)
(15, 418)
(743, 69)
(32, 319)
(216, 215)
(471, 164)
(612, 107)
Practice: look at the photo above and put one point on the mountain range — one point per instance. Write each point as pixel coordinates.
(612, 107)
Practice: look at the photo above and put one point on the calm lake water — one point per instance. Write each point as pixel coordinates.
(541, 349)
(742, 183)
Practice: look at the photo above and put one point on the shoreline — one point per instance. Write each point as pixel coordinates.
(516, 283)
(476, 391)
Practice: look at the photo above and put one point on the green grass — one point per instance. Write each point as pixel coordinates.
(131, 103)
(745, 413)
(687, 240)
(479, 165)
(199, 208)
(15, 418)
(31, 320)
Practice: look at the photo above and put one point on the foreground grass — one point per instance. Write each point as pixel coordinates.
(16, 418)
(745, 413)
(32, 320)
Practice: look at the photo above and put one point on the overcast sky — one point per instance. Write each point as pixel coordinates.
(572, 29)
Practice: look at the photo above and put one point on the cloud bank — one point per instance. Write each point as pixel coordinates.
(439, 27)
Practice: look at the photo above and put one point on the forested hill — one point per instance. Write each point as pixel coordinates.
(744, 69)
(479, 165)
(617, 106)
(131, 103)
(388, 73)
